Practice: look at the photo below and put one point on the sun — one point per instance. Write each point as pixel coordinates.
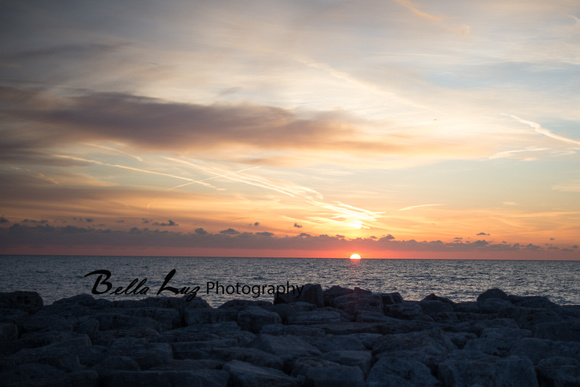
(355, 256)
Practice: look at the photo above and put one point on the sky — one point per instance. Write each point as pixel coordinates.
(319, 128)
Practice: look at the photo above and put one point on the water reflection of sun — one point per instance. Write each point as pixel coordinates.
(355, 256)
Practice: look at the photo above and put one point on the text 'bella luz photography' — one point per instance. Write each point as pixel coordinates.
(102, 285)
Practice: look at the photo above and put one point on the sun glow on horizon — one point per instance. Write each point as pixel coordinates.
(355, 256)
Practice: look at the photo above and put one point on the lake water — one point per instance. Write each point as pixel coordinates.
(56, 277)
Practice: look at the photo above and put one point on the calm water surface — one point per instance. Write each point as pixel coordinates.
(56, 277)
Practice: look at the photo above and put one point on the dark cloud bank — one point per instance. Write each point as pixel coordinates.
(38, 236)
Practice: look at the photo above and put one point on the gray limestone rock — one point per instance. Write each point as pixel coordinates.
(559, 371)
(558, 331)
(287, 347)
(249, 375)
(360, 359)
(195, 316)
(469, 368)
(311, 293)
(492, 293)
(249, 355)
(8, 332)
(193, 378)
(253, 318)
(297, 330)
(26, 301)
(396, 372)
(324, 373)
(318, 316)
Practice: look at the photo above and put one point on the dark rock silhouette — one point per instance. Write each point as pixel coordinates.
(335, 337)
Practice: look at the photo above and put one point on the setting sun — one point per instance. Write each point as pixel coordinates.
(355, 256)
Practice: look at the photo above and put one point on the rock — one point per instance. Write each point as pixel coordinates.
(558, 331)
(240, 305)
(195, 316)
(407, 311)
(395, 372)
(532, 302)
(8, 332)
(189, 365)
(318, 316)
(250, 355)
(360, 359)
(366, 339)
(335, 343)
(431, 343)
(527, 318)
(357, 301)
(310, 293)
(26, 301)
(391, 298)
(460, 339)
(48, 323)
(492, 293)
(112, 363)
(333, 292)
(505, 333)
(467, 307)
(248, 375)
(469, 368)
(494, 305)
(559, 371)
(538, 349)
(193, 378)
(324, 373)
(13, 316)
(199, 349)
(297, 330)
(494, 347)
(199, 332)
(146, 354)
(433, 297)
(32, 375)
(55, 355)
(432, 307)
(253, 318)
(346, 328)
(117, 320)
(287, 347)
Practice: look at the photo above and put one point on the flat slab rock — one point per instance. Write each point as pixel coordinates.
(332, 337)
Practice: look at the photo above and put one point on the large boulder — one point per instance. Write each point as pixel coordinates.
(311, 293)
(253, 318)
(194, 378)
(469, 368)
(27, 301)
(318, 316)
(559, 371)
(492, 293)
(287, 347)
(324, 373)
(396, 372)
(249, 375)
(360, 359)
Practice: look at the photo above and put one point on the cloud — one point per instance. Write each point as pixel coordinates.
(3, 220)
(297, 225)
(482, 233)
(539, 129)
(168, 224)
(256, 132)
(200, 231)
(36, 236)
(229, 231)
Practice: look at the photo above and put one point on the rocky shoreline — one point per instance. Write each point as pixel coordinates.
(332, 337)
